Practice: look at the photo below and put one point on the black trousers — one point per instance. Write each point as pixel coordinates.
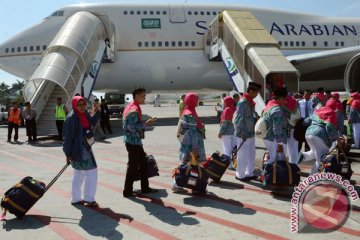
(105, 123)
(31, 129)
(136, 166)
(12, 126)
(59, 126)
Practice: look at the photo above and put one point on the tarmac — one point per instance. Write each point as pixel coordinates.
(229, 210)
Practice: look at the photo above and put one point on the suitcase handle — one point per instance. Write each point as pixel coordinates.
(56, 177)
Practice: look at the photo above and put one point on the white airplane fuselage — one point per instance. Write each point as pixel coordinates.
(161, 47)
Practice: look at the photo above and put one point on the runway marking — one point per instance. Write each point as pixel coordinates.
(343, 229)
(116, 216)
(204, 216)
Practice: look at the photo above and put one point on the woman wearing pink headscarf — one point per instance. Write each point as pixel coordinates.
(321, 134)
(227, 130)
(191, 133)
(77, 140)
(354, 119)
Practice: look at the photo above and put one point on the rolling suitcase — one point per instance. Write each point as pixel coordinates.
(337, 162)
(152, 167)
(192, 176)
(22, 196)
(216, 165)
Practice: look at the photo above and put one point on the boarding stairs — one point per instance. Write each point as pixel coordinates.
(249, 53)
(70, 65)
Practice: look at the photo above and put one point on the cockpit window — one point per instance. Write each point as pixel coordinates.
(57, 14)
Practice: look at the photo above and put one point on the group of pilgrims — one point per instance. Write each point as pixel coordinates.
(321, 116)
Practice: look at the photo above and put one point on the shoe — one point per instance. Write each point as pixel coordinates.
(252, 177)
(8, 141)
(128, 194)
(81, 202)
(245, 179)
(179, 190)
(149, 190)
(91, 204)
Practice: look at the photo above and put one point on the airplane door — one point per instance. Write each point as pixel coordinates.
(177, 14)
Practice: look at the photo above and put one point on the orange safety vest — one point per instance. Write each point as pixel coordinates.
(14, 116)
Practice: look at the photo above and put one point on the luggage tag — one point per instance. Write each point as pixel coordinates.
(193, 177)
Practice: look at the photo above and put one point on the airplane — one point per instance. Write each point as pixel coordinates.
(161, 46)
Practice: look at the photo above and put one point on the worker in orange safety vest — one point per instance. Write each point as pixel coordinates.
(14, 122)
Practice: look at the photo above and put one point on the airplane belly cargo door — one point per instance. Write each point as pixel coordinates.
(177, 14)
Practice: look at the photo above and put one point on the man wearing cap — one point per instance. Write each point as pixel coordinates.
(60, 115)
(245, 133)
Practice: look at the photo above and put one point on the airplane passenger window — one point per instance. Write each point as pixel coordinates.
(214, 13)
(202, 12)
(208, 13)
(166, 43)
(125, 12)
(325, 43)
(159, 44)
(25, 49)
(286, 43)
(139, 44)
(151, 12)
(138, 12)
(195, 13)
(12, 49)
(164, 12)
(303, 44)
(314, 43)
(193, 43)
(31, 48)
(157, 12)
(144, 12)
(180, 43)
(173, 43)
(19, 49)
(37, 48)
(44, 47)
(342, 44)
(146, 44)
(131, 12)
(189, 12)
(297, 43)
(292, 43)
(186, 43)
(280, 43)
(153, 44)
(6, 50)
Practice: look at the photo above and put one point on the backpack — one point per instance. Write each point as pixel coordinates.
(261, 127)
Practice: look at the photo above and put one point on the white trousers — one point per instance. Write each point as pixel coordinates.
(317, 149)
(228, 142)
(88, 178)
(356, 132)
(245, 158)
(292, 148)
(272, 148)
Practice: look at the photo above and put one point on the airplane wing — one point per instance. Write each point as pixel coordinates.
(324, 66)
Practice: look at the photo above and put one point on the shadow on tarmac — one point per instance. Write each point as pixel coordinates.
(28, 222)
(164, 213)
(90, 222)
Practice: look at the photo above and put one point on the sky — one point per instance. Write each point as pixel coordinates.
(17, 15)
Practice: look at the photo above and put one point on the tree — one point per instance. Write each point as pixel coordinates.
(4, 93)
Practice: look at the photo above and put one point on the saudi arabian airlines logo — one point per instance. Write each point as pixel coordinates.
(94, 69)
(230, 65)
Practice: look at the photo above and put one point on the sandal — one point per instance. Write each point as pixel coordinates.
(81, 202)
(91, 204)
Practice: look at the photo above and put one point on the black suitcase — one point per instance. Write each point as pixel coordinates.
(337, 162)
(216, 165)
(281, 173)
(21, 197)
(191, 177)
(152, 167)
